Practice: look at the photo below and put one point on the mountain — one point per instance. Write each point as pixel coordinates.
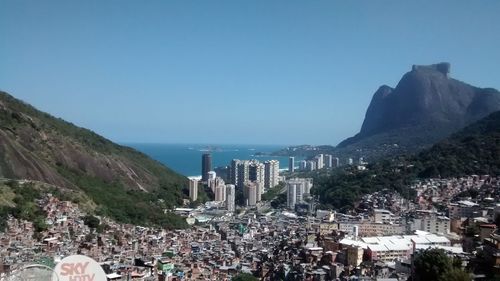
(473, 150)
(36, 146)
(425, 107)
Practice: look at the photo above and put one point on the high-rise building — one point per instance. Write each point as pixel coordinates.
(311, 165)
(349, 161)
(272, 173)
(230, 197)
(233, 174)
(250, 192)
(256, 172)
(336, 162)
(291, 164)
(319, 161)
(214, 182)
(302, 164)
(243, 173)
(193, 189)
(206, 166)
(297, 189)
(220, 191)
(328, 161)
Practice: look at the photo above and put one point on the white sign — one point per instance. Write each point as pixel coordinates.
(79, 268)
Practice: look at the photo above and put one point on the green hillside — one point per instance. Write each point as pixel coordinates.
(124, 183)
(473, 150)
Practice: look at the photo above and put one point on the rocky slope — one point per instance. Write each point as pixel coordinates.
(37, 146)
(425, 107)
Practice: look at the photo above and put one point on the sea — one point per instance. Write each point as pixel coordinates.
(186, 158)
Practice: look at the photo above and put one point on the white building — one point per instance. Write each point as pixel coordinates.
(297, 188)
(250, 192)
(328, 161)
(220, 192)
(271, 173)
(319, 161)
(230, 197)
(430, 222)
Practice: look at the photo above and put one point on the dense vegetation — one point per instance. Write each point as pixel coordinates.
(244, 277)
(435, 265)
(474, 150)
(20, 202)
(130, 206)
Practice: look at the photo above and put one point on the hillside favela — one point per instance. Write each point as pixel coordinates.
(249, 140)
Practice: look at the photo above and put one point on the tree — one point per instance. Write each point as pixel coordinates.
(434, 264)
(245, 277)
(91, 221)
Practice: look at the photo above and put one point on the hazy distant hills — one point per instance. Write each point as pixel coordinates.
(121, 180)
(425, 107)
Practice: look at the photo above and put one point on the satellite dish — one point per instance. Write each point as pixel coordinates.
(33, 272)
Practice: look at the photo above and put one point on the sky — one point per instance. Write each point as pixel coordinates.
(228, 72)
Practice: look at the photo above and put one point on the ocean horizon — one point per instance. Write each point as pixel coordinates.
(186, 158)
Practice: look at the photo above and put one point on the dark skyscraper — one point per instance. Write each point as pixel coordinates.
(206, 165)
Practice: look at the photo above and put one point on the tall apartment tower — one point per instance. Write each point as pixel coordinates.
(250, 192)
(206, 166)
(220, 192)
(230, 197)
(256, 173)
(303, 165)
(193, 189)
(233, 171)
(297, 189)
(328, 161)
(243, 173)
(336, 162)
(272, 173)
(291, 164)
(319, 161)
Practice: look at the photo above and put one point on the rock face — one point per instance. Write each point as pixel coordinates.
(37, 146)
(425, 107)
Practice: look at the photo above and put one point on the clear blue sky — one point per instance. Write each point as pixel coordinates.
(258, 72)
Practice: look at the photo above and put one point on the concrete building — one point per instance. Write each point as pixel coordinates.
(383, 216)
(302, 165)
(193, 189)
(233, 171)
(328, 161)
(243, 173)
(230, 197)
(354, 255)
(220, 191)
(250, 192)
(336, 162)
(319, 161)
(206, 166)
(271, 172)
(310, 165)
(297, 189)
(256, 173)
(350, 161)
(463, 209)
(291, 164)
(431, 223)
